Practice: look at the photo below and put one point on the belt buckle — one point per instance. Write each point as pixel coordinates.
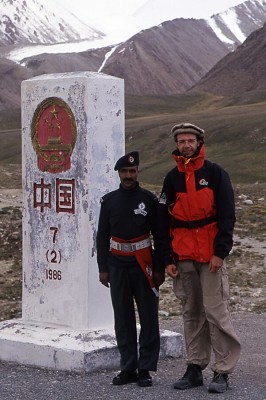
(127, 246)
(133, 247)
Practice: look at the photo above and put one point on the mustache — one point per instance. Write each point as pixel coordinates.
(128, 180)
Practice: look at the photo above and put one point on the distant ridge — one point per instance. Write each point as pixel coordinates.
(168, 59)
(240, 72)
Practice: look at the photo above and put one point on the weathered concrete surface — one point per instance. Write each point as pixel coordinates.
(72, 134)
(58, 348)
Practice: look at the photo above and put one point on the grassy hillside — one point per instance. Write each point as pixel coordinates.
(235, 133)
(10, 137)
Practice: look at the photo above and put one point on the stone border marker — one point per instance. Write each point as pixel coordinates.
(72, 135)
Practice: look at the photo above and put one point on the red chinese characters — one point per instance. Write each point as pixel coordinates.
(64, 195)
(65, 200)
(42, 195)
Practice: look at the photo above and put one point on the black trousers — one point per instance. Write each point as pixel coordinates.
(128, 283)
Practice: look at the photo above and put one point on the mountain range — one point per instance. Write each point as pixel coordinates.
(239, 72)
(33, 21)
(213, 54)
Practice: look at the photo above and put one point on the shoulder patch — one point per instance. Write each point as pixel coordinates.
(162, 198)
(203, 182)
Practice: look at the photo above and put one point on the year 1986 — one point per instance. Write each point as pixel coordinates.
(53, 274)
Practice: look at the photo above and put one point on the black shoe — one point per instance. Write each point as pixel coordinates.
(219, 383)
(125, 377)
(192, 378)
(144, 378)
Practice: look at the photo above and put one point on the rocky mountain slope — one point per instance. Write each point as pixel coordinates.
(35, 21)
(237, 23)
(167, 59)
(11, 76)
(241, 71)
(162, 60)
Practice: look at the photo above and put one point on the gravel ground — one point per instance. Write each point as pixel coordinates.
(19, 382)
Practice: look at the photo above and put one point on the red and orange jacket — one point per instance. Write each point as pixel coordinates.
(196, 211)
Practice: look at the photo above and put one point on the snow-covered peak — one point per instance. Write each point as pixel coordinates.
(35, 21)
(230, 19)
(236, 23)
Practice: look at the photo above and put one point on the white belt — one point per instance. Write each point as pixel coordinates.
(130, 247)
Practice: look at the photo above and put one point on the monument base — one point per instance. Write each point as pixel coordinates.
(71, 350)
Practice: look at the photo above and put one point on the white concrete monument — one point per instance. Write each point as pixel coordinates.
(73, 132)
(72, 135)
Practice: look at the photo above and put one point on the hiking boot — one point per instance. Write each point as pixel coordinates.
(192, 378)
(144, 378)
(219, 383)
(125, 377)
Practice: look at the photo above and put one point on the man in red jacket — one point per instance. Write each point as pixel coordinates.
(196, 222)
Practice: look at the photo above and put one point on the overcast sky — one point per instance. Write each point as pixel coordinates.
(102, 8)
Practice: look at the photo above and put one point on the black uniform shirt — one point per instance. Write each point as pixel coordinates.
(126, 214)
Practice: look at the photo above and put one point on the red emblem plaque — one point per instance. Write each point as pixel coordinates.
(54, 134)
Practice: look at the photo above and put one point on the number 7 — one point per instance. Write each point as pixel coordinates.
(55, 230)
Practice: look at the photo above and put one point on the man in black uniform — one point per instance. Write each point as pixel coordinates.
(127, 262)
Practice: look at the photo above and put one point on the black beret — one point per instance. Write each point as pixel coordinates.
(128, 160)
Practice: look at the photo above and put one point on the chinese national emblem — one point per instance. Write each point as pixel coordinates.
(54, 134)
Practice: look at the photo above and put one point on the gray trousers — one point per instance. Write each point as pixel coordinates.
(207, 324)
